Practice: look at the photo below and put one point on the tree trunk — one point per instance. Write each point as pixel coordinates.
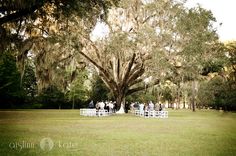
(178, 97)
(119, 100)
(184, 103)
(193, 96)
(158, 98)
(73, 101)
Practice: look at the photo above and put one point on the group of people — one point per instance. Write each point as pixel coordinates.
(110, 106)
(146, 106)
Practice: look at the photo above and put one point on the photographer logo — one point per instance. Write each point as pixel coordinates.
(46, 144)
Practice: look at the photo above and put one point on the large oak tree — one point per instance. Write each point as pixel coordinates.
(159, 37)
(124, 58)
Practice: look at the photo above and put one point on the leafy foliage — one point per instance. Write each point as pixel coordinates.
(42, 41)
(217, 93)
(51, 97)
(78, 92)
(10, 89)
(99, 90)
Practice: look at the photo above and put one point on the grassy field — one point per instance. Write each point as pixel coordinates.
(183, 133)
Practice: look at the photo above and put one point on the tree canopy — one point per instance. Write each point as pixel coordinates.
(148, 43)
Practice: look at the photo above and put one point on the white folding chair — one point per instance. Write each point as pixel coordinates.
(146, 114)
(152, 114)
(137, 112)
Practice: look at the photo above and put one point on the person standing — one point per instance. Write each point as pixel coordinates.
(151, 106)
(91, 104)
(160, 107)
(126, 107)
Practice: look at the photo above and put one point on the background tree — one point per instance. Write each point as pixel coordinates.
(38, 29)
(10, 89)
(78, 91)
(29, 84)
(41, 26)
(99, 91)
(230, 74)
(218, 90)
(191, 37)
(51, 97)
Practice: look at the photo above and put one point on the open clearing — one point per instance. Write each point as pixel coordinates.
(204, 132)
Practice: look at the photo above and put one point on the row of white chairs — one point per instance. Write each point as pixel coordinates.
(151, 114)
(93, 112)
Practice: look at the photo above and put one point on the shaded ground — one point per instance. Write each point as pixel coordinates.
(183, 133)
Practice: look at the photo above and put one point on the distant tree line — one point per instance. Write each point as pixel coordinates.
(217, 92)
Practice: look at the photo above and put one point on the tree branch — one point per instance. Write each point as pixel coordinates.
(135, 82)
(146, 19)
(91, 44)
(105, 74)
(20, 13)
(129, 69)
(131, 91)
(136, 74)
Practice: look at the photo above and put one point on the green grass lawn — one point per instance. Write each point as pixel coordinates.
(183, 133)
